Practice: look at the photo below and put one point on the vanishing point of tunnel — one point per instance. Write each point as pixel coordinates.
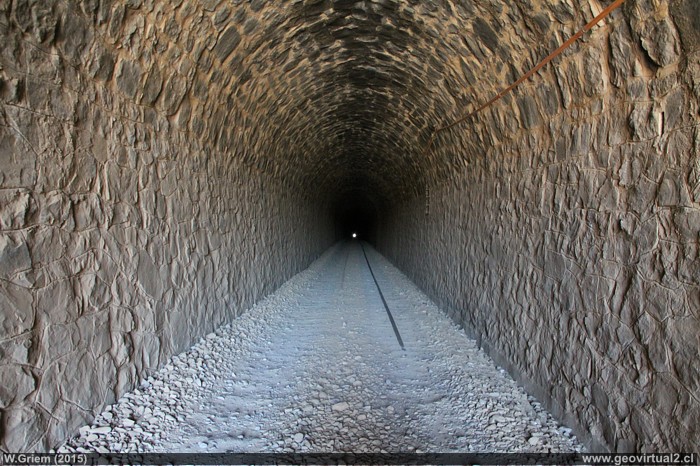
(167, 164)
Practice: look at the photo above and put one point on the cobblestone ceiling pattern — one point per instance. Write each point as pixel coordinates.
(165, 164)
(568, 243)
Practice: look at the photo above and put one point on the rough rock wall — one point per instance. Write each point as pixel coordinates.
(163, 163)
(568, 240)
(132, 218)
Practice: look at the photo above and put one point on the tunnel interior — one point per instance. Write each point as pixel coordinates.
(165, 165)
(354, 213)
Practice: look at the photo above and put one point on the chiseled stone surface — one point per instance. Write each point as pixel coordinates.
(163, 165)
(567, 241)
(131, 222)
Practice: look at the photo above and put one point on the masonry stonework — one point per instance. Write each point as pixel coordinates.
(164, 165)
(130, 222)
(567, 242)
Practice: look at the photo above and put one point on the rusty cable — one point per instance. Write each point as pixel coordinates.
(602, 15)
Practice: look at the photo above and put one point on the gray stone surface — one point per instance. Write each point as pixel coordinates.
(176, 161)
(123, 235)
(570, 249)
(314, 367)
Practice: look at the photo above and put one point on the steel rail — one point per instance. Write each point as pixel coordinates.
(386, 306)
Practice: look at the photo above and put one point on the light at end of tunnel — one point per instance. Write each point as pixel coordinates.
(354, 235)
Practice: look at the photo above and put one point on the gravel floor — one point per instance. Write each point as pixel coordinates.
(316, 367)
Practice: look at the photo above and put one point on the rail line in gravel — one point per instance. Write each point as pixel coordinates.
(314, 368)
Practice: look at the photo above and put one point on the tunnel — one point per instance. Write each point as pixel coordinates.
(164, 166)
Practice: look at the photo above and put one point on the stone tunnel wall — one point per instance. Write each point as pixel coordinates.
(165, 164)
(568, 241)
(129, 226)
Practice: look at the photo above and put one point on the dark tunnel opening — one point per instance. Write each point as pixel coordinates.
(164, 166)
(356, 211)
(359, 220)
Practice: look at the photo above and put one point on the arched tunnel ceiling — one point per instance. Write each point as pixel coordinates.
(334, 95)
(166, 164)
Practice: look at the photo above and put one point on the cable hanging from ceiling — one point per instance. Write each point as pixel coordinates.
(602, 15)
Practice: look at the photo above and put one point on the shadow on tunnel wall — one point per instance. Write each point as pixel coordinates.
(135, 216)
(566, 241)
(164, 165)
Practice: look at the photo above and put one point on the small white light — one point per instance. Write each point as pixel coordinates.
(354, 235)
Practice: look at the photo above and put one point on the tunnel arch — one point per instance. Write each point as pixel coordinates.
(165, 165)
